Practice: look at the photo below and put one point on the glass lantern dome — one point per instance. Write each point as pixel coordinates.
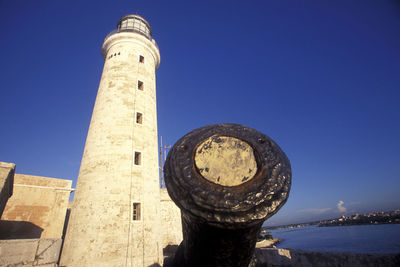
(134, 23)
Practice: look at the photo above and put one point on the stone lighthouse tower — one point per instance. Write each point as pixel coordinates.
(114, 219)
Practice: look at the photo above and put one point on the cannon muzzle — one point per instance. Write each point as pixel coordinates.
(227, 179)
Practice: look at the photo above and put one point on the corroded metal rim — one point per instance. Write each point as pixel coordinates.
(228, 206)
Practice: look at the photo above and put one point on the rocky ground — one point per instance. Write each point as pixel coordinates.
(267, 243)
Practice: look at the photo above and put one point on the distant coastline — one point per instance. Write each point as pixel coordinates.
(368, 218)
(391, 217)
(371, 238)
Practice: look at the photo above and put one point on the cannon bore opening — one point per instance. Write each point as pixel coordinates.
(227, 161)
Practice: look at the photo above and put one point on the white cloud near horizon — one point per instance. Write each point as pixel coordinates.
(315, 211)
(340, 206)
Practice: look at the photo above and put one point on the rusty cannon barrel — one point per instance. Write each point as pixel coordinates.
(226, 179)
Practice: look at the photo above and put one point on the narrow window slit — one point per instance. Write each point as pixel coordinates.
(140, 85)
(138, 158)
(139, 118)
(136, 212)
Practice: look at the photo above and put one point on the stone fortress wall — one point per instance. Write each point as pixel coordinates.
(32, 222)
(36, 209)
(170, 220)
(43, 252)
(7, 171)
(31, 227)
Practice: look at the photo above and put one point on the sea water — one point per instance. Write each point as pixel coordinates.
(382, 239)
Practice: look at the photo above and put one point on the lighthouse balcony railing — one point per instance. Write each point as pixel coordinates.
(133, 30)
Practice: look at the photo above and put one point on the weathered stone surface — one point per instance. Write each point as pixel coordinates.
(112, 177)
(30, 252)
(37, 208)
(7, 171)
(171, 223)
(48, 251)
(18, 252)
(267, 243)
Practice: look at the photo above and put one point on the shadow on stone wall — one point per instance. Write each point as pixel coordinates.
(169, 253)
(66, 221)
(19, 230)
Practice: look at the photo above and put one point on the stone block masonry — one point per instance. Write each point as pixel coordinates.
(30, 252)
(170, 217)
(114, 219)
(36, 209)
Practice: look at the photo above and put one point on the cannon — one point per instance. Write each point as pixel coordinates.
(227, 179)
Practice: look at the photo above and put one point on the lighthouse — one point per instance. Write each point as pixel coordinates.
(114, 217)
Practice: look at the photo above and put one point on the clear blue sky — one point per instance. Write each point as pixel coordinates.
(321, 78)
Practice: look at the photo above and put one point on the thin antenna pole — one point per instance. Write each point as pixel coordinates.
(161, 163)
(165, 151)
